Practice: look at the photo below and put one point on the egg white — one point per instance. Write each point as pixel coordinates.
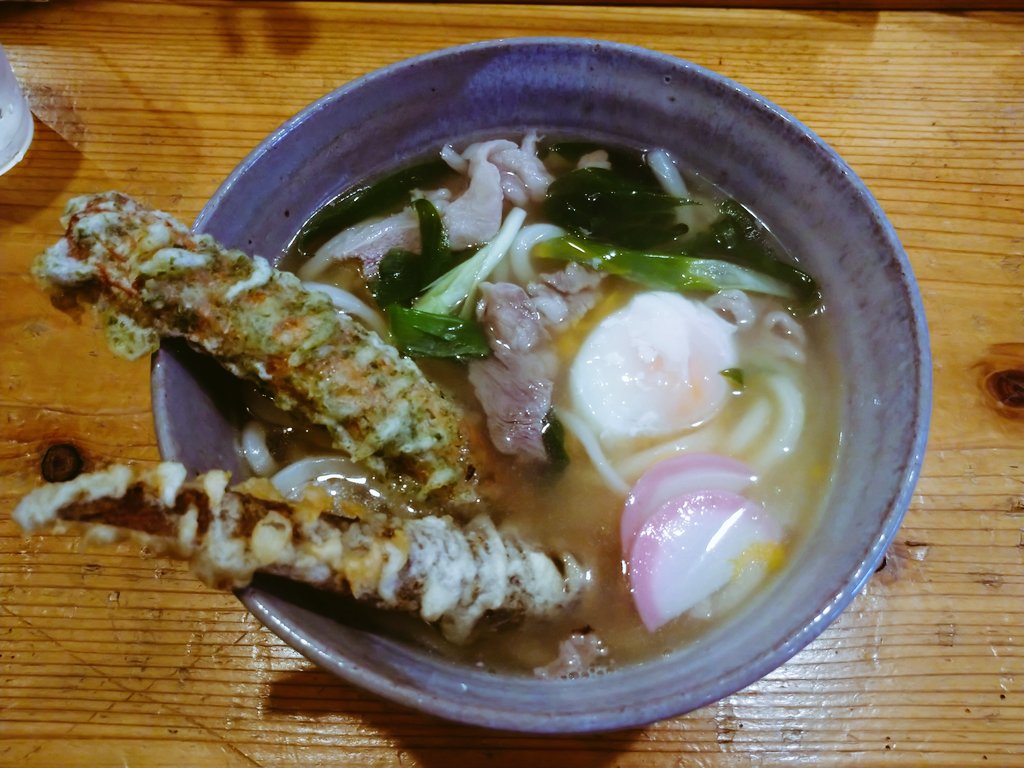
(653, 367)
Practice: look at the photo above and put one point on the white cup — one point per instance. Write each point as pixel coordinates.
(15, 118)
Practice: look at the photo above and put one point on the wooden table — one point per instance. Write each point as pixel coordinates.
(106, 659)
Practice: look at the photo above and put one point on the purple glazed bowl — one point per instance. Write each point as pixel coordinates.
(804, 192)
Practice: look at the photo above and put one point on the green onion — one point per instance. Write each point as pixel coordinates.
(401, 274)
(661, 270)
(455, 289)
(737, 237)
(434, 246)
(425, 334)
(399, 278)
(734, 376)
(553, 438)
(628, 212)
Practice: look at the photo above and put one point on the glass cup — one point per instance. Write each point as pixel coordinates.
(15, 118)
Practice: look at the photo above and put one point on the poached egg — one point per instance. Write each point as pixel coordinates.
(653, 367)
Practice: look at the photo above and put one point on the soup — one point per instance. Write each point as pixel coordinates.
(648, 379)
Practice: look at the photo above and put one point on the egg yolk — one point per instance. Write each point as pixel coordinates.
(653, 367)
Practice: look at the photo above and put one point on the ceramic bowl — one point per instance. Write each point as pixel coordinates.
(803, 191)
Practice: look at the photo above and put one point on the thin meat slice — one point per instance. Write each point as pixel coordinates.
(495, 171)
(368, 242)
(524, 178)
(499, 170)
(475, 216)
(565, 296)
(514, 385)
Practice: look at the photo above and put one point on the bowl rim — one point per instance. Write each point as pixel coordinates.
(772, 657)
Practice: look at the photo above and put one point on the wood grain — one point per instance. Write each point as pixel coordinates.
(109, 659)
(813, 5)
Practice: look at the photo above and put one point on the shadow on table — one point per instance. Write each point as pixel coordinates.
(425, 740)
(285, 28)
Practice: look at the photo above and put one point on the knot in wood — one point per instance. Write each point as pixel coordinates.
(1007, 387)
(61, 462)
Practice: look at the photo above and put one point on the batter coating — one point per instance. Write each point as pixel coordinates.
(448, 573)
(151, 278)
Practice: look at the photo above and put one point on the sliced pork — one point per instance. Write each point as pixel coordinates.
(515, 384)
(565, 296)
(475, 216)
(496, 171)
(524, 179)
(368, 241)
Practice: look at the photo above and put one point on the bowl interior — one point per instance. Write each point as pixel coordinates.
(799, 187)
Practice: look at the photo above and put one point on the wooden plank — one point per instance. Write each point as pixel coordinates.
(106, 658)
(810, 5)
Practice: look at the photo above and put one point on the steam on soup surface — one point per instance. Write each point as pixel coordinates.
(648, 374)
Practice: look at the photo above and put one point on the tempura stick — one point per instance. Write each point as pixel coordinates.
(449, 574)
(151, 278)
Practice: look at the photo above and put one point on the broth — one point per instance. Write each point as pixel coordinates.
(791, 386)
